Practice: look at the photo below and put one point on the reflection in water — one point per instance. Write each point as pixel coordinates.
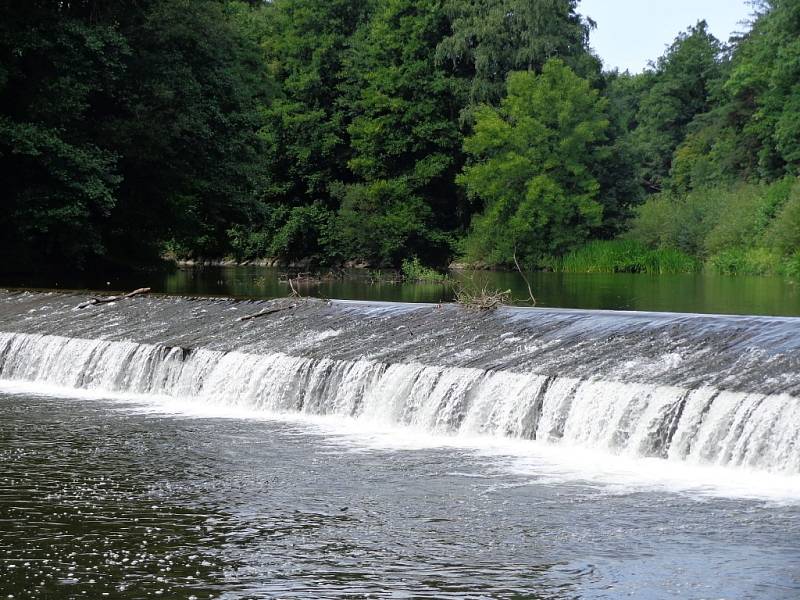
(103, 500)
(669, 293)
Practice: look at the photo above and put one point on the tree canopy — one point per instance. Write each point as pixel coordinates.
(376, 131)
(531, 168)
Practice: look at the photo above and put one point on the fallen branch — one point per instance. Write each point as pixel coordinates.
(107, 299)
(264, 313)
(528, 283)
(295, 293)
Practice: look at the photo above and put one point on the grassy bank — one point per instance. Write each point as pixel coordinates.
(627, 256)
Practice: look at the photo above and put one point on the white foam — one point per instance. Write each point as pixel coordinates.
(708, 427)
(542, 463)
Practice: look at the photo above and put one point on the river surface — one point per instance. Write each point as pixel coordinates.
(136, 497)
(700, 293)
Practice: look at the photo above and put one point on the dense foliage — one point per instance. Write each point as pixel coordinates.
(124, 126)
(730, 198)
(392, 132)
(532, 168)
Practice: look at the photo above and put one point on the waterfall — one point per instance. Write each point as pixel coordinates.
(700, 424)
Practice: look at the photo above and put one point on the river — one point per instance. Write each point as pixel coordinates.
(700, 293)
(164, 447)
(129, 498)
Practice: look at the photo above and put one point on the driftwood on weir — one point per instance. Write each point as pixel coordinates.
(295, 295)
(265, 312)
(107, 299)
(483, 298)
(272, 311)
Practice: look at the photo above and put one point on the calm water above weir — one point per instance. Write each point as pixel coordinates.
(129, 498)
(671, 293)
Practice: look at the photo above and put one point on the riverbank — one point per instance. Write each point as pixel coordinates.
(600, 256)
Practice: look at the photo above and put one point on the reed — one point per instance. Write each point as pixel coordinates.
(624, 256)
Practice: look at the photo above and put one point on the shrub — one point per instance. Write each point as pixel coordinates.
(248, 244)
(744, 229)
(679, 222)
(791, 267)
(784, 232)
(776, 196)
(304, 233)
(414, 270)
(746, 261)
(734, 218)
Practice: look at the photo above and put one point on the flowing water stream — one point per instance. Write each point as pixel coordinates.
(163, 446)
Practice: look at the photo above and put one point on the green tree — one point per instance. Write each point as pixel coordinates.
(750, 129)
(305, 132)
(530, 167)
(764, 87)
(491, 38)
(59, 177)
(405, 141)
(187, 126)
(682, 86)
(616, 166)
(125, 125)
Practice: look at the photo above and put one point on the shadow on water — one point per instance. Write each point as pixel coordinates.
(699, 293)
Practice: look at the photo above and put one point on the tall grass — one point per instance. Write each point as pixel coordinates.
(624, 256)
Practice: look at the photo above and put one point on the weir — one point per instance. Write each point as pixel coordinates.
(704, 389)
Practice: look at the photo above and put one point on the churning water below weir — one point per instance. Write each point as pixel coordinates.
(163, 447)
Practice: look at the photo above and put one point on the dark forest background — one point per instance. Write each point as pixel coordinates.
(379, 131)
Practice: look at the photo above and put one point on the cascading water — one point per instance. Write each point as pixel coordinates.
(715, 390)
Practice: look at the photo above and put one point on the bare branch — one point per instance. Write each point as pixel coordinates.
(265, 312)
(525, 279)
(106, 299)
(295, 293)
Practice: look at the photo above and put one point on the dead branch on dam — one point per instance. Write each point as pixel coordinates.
(108, 299)
(265, 312)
